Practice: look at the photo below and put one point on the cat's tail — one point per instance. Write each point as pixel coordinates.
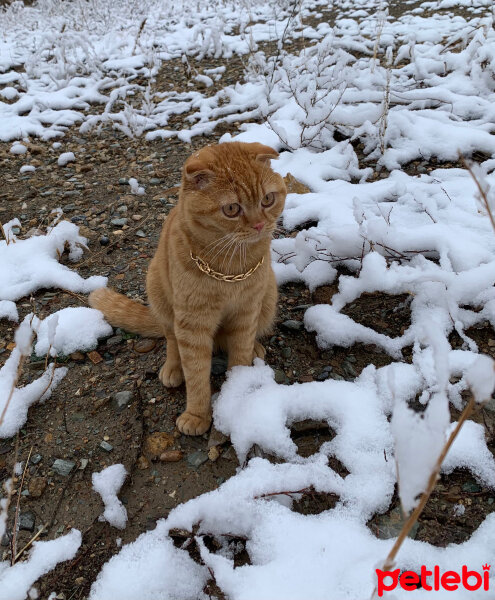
(125, 313)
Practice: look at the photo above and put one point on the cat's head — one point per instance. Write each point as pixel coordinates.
(231, 189)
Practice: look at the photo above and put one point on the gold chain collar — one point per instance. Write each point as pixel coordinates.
(205, 267)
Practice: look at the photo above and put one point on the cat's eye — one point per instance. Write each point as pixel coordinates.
(268, 200)
(232, 210)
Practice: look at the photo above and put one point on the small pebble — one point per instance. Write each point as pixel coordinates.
(35, 459)
(213, 453)
(63, 467)
(119, 222)
(280, 376)
(106, 446)
(37, 486)
(114, 340)
(144, 345)
(171, 455)
(143, 463)
(123, 398)
(472, 487)
(26, 521)
(293, 325)
(196, 459)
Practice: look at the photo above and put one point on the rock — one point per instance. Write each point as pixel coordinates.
(171, 455)
(77, 356)
(349, 369)
(37, 486)
(119, 222)
(156, 444)
(196, 459)
(80, 580)
(389, 525)
(140, 233)
(35, 459)
(325, 373)
(155, 181)
(213, 453)
(471, 487)
(293, 325)
(106, 446)
(217, 438)
(95, 357)
(286, 352)
(104, 240)
(26, 521)
(123, 398)
(280, 376)
(143, 463)
(144, 345)
(114, 340)
(63, 467)
(218, 365)
(123, 181)
(230, 454)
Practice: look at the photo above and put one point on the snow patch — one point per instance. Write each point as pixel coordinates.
(108, 483)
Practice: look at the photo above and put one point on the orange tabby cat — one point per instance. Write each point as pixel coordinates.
(210, 283)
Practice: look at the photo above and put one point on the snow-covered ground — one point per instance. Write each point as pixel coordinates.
(417, 87)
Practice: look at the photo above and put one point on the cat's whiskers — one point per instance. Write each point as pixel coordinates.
(222, 248)
(244, 255)
(215, 243)
(230, 251)
(233, 253)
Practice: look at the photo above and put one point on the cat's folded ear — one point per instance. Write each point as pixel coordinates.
(196, 171)
(263, 153)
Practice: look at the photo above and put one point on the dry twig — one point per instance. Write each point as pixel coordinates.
(17, 508)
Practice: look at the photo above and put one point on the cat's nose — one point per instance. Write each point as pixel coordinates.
(259, 226)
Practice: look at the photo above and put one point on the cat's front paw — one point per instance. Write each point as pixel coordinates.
(259, 351)
(192, 424)
(171, 375)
